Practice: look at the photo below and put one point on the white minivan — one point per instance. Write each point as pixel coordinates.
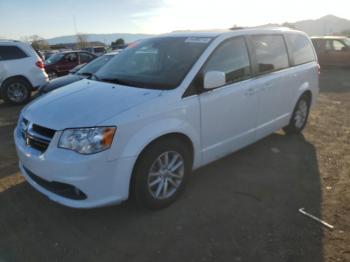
(161, 108)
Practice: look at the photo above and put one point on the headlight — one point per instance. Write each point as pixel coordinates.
(87, 140)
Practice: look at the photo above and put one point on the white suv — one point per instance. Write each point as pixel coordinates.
(21, 71)
(161, 108)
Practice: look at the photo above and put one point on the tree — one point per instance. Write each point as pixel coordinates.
(119, 43)
(82, 40)
(37, 42)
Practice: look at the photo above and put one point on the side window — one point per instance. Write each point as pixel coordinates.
(71, 57)
(11, 52)
(232, 58)
(271, 53)
(328, 45)
(85, 57)
(338, 45)
(301, 49)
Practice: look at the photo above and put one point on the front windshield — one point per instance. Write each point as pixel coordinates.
(54, 58)
(156, 63)
(95, 65)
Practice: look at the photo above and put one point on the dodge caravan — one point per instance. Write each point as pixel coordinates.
(161, 108)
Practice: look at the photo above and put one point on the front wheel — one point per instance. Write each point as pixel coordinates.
(299, 116)
(16, 91)
(160, 174)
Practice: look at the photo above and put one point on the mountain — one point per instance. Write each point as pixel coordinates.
(104, 38)
(326, 25)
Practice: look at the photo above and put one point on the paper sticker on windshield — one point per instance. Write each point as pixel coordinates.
(203, 40)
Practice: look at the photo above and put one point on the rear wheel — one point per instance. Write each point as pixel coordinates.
(299, 116)
(16, 91)
(160, 174)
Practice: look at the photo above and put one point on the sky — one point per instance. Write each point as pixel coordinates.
(51, 18)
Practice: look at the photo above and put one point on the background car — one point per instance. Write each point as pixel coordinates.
(21, 71)
(79, 72)
(97, 50)
(59, 64)
(332, 50)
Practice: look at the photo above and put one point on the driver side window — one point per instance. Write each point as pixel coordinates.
(232, 58)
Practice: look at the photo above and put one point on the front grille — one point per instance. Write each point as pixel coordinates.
(35, 136)
(61, 189)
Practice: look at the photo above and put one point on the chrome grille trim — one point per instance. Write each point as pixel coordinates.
(33, 138)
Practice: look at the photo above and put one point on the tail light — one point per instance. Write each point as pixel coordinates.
(40, 64)
(319, 69)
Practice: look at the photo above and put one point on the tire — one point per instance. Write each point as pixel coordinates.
(16, 91)
(299, 116)
(145, 189)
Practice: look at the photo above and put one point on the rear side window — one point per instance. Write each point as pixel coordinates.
(271, 53)
(85, 57)
(232, 58)
(301, 49)
(11, 52)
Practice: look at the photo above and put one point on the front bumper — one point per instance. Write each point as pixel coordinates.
(104, 182)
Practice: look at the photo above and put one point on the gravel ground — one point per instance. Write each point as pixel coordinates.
(241, 208)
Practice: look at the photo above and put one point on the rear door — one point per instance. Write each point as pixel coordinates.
(69, 61)
(228, 113)
(273, 78)
(340, 53)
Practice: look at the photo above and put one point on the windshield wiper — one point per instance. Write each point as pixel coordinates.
(90, 75)
(118, 81)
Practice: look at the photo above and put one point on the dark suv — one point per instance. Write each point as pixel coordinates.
(59, 64)
(332, 50)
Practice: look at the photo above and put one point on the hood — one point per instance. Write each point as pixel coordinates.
(85, 103)
(61, 81)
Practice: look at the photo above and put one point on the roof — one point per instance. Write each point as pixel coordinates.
(215, 33)
(329, 37)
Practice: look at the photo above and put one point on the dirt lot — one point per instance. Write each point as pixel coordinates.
(241, 208)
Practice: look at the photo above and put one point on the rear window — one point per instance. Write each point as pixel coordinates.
(271, 53)
(11, 52)
(301, 49)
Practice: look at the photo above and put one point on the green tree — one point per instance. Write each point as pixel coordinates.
(120, 42)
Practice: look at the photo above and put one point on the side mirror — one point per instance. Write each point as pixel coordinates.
(345, 48)
(213, 79)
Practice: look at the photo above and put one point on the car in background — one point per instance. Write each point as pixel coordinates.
(78, 73)
(47, 54)
(59, 64)
(21, 71)
(332, 50)
(97, 50)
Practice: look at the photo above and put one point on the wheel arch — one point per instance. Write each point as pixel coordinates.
(16, 77)
(179, 136)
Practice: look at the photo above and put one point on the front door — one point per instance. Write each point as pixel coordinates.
(228, 113)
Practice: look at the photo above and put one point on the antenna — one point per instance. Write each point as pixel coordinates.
(75, 25)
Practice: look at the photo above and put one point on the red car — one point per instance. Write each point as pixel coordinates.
(332, 50)
(59, 64)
